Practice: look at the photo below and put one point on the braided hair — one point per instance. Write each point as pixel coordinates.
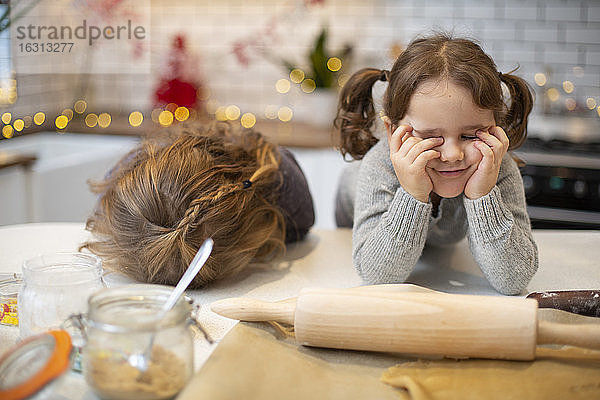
(168, 195)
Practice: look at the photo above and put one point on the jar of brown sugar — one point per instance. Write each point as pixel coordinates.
(120, 324)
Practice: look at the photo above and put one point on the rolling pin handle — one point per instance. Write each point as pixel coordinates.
(253, 310)
(587, 336)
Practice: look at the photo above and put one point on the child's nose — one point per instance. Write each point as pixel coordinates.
(450, 152)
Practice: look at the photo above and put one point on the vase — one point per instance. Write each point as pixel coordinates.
(317, 108)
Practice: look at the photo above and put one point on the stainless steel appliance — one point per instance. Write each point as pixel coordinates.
(562, 173)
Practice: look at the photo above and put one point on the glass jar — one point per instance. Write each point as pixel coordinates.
(54, 287)
(10, 285)
(35, 367)
(121, 323)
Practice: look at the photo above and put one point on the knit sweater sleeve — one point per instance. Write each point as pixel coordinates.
(499, 232)
(390, 226)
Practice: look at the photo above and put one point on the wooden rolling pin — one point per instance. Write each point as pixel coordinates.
(414, 322)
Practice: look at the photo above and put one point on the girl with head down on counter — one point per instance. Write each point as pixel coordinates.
(443, 172)
(164, 198)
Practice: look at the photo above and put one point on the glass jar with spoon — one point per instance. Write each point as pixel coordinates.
(139, 344)
(119, 325)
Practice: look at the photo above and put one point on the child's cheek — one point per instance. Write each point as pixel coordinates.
(473, 152)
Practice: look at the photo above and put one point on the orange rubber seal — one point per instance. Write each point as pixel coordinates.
(58, 362)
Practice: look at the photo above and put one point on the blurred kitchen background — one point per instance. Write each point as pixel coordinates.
(250, 62)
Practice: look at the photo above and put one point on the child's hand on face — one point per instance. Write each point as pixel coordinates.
(409, 156)
(492, 145)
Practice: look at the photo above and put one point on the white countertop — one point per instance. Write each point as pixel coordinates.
(568, 260)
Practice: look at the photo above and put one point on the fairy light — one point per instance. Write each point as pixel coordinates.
(203, 93)
(343, 78)
(80, 106)
(61, 121)
(211, 106)
(27, 120)
(590, 102)
(540, 79)
(232, 112)
(19, 124)
(308, 86)
(334, 64)
(12, 95)
(285, 114)
(171, 107)
(91, 120)
(271, 111)
(7, 131)
(598, 110)
(67, 112)
(39, 118)
(296, 75)
(136, 118)
(568, 86)
(104, 120)
(220, 114)
(165, 118)
(12, 91)
(154, 115)
(578, 71)
(6, 117)
(182, 113)
(553, 94)
(282, 86)
(570, 103)
(248, 120)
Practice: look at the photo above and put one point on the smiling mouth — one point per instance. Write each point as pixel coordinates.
(455, 172)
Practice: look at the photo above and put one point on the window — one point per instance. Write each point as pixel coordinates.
(7, 82)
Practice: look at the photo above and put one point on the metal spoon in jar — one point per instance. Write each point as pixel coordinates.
(142, 360)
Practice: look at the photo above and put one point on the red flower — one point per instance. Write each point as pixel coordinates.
(239, 50)
(176, 91)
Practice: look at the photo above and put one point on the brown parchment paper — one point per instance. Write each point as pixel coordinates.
(254, 361)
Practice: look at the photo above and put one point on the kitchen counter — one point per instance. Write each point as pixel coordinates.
(568, 260)
(290, 134)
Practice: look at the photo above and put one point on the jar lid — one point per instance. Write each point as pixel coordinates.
(33, 363)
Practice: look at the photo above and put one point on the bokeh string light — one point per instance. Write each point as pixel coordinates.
(563, 94)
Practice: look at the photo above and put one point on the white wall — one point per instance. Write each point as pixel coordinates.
(55, 188)
(551, 36)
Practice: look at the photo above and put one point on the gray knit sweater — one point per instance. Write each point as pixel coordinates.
(391, 227)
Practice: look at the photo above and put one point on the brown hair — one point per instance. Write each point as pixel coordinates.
(166, 197)
(438, 57)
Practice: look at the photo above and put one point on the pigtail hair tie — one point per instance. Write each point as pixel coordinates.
(246, 184)
(500, 75)
(384, 75)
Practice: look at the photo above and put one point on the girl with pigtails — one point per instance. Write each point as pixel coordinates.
(442, 172)
(164, 198)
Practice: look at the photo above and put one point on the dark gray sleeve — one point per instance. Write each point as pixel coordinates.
(344, 198)
(295, 200)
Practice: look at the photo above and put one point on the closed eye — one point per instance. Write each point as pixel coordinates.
(426, 135)
(469, 137)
